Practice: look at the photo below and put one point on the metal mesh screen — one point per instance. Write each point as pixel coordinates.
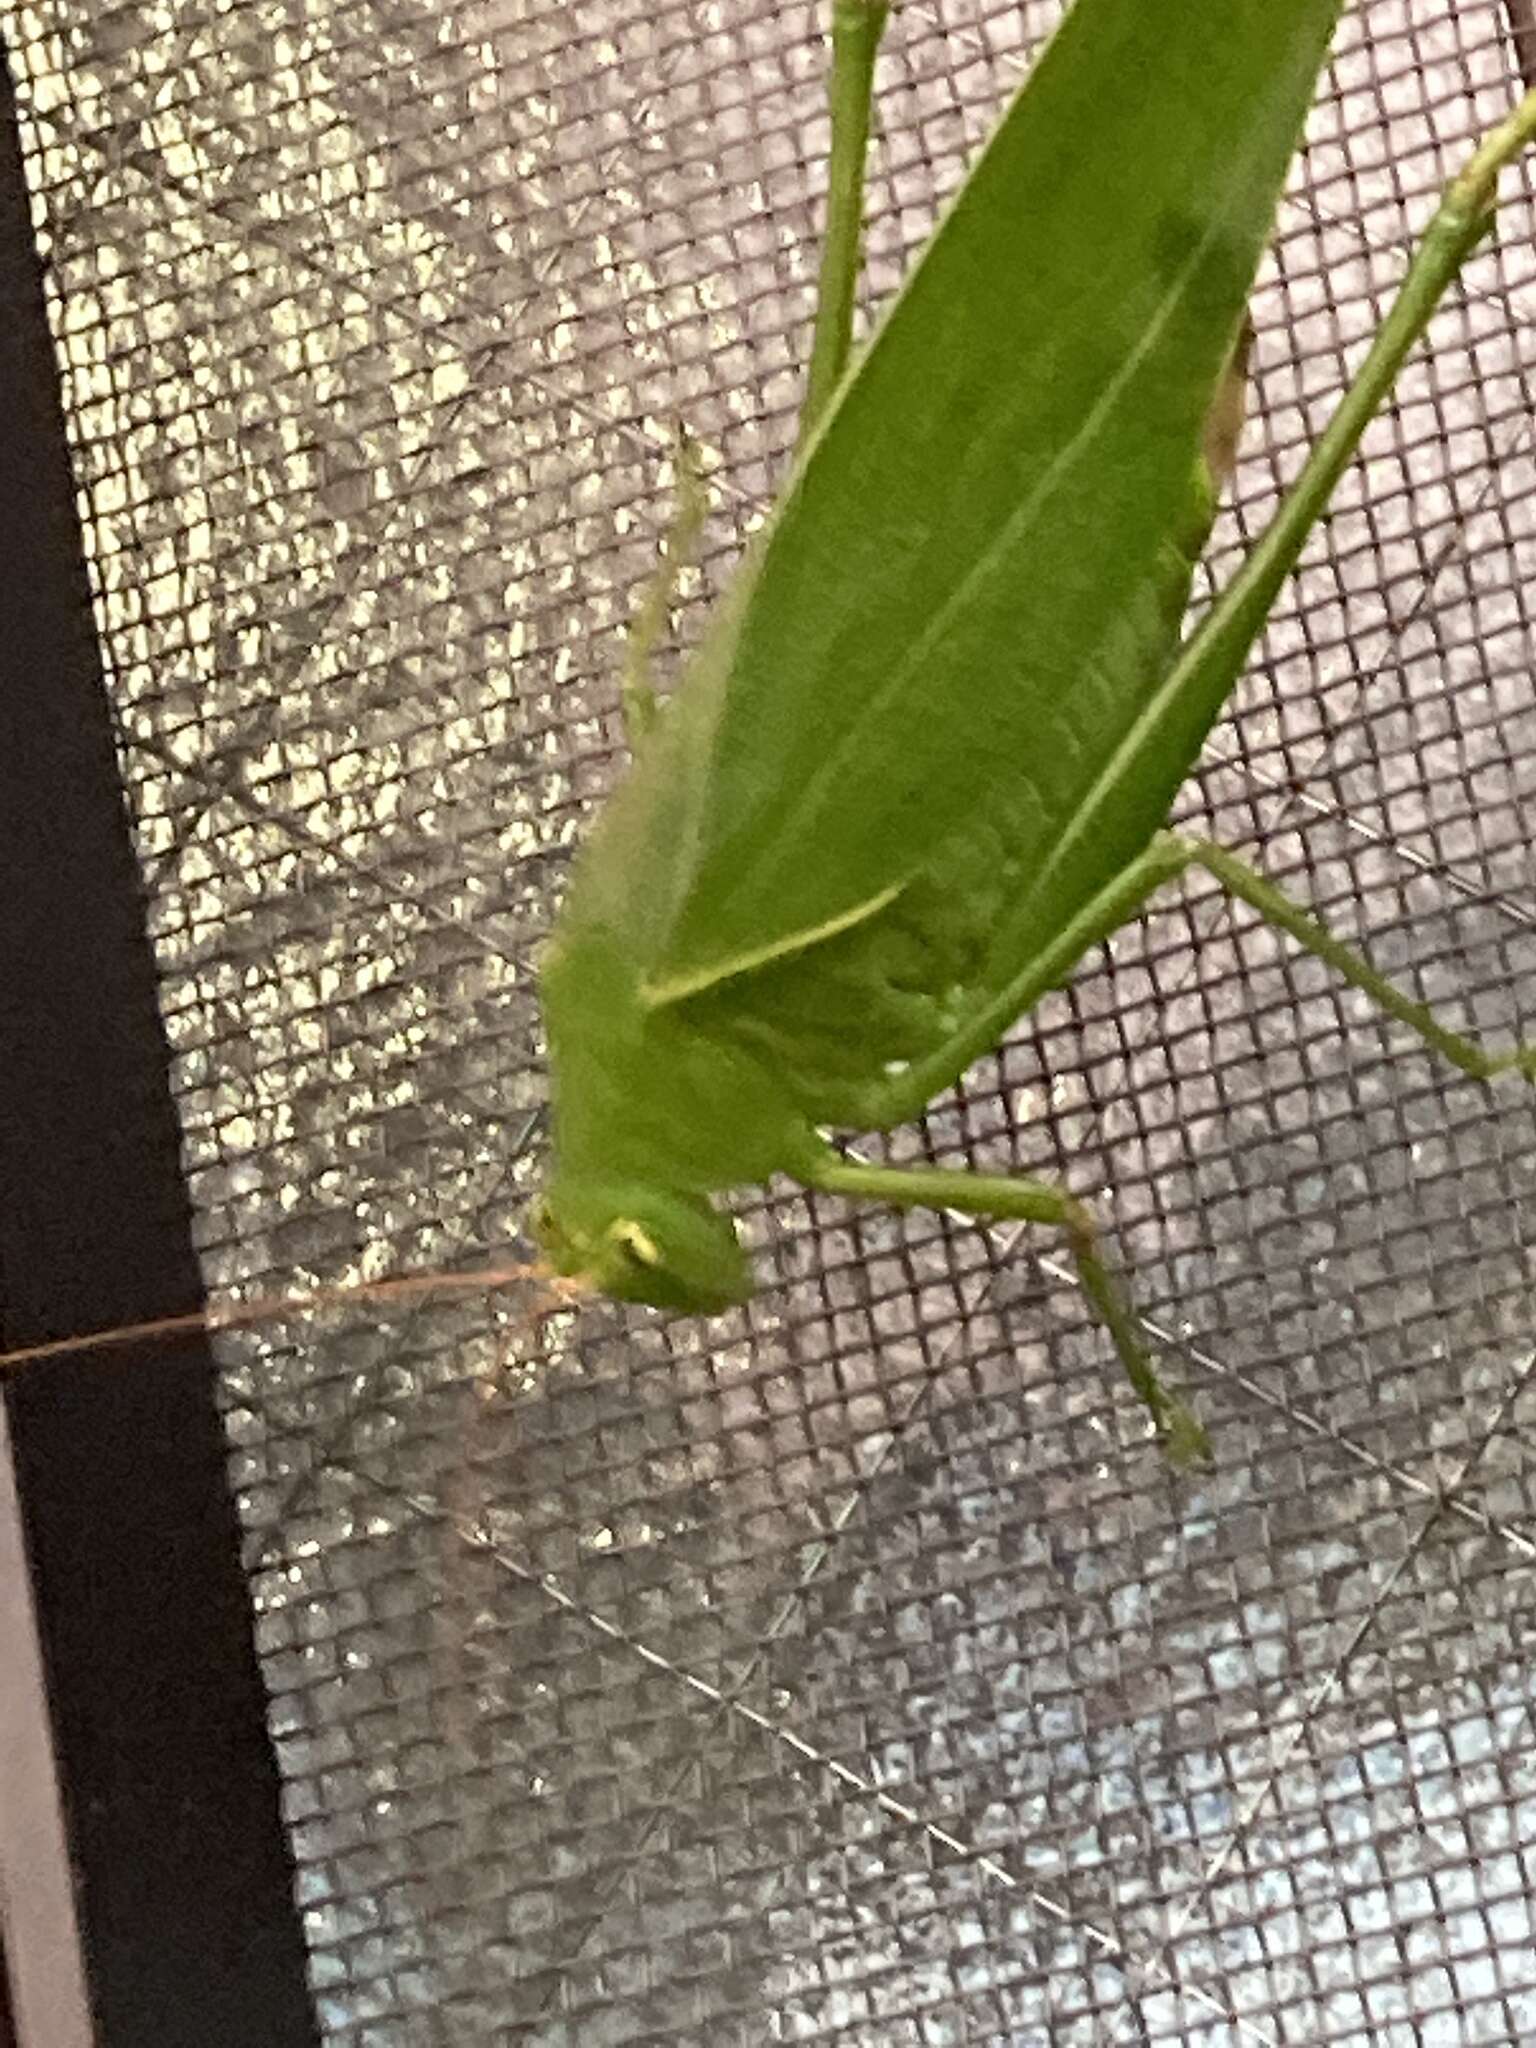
(853, 1669)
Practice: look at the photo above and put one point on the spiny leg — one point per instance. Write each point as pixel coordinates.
(636, 685)
(857, 26)
(1276, 908)
(1002, 1198)
(987, 1195)
(1202, 677)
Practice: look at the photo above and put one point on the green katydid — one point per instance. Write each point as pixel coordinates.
(922, 761)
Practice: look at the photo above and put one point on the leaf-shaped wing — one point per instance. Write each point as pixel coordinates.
(993, 485)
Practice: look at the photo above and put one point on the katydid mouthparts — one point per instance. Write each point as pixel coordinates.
(922, 760)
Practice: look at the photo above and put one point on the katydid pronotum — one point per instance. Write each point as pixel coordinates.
(922, 762)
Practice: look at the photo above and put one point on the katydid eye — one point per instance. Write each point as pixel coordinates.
(636, 1242)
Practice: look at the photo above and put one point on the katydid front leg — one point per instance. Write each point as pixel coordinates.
(857, 26)
(637, 686)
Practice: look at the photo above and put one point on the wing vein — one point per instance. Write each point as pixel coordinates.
(876, 707)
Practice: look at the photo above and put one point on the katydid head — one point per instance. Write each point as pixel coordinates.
(650, 1244)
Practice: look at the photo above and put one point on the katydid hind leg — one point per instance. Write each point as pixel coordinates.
(1007, 1198)
(1272, 904)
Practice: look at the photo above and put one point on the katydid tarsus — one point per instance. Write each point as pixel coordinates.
(922, 761)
